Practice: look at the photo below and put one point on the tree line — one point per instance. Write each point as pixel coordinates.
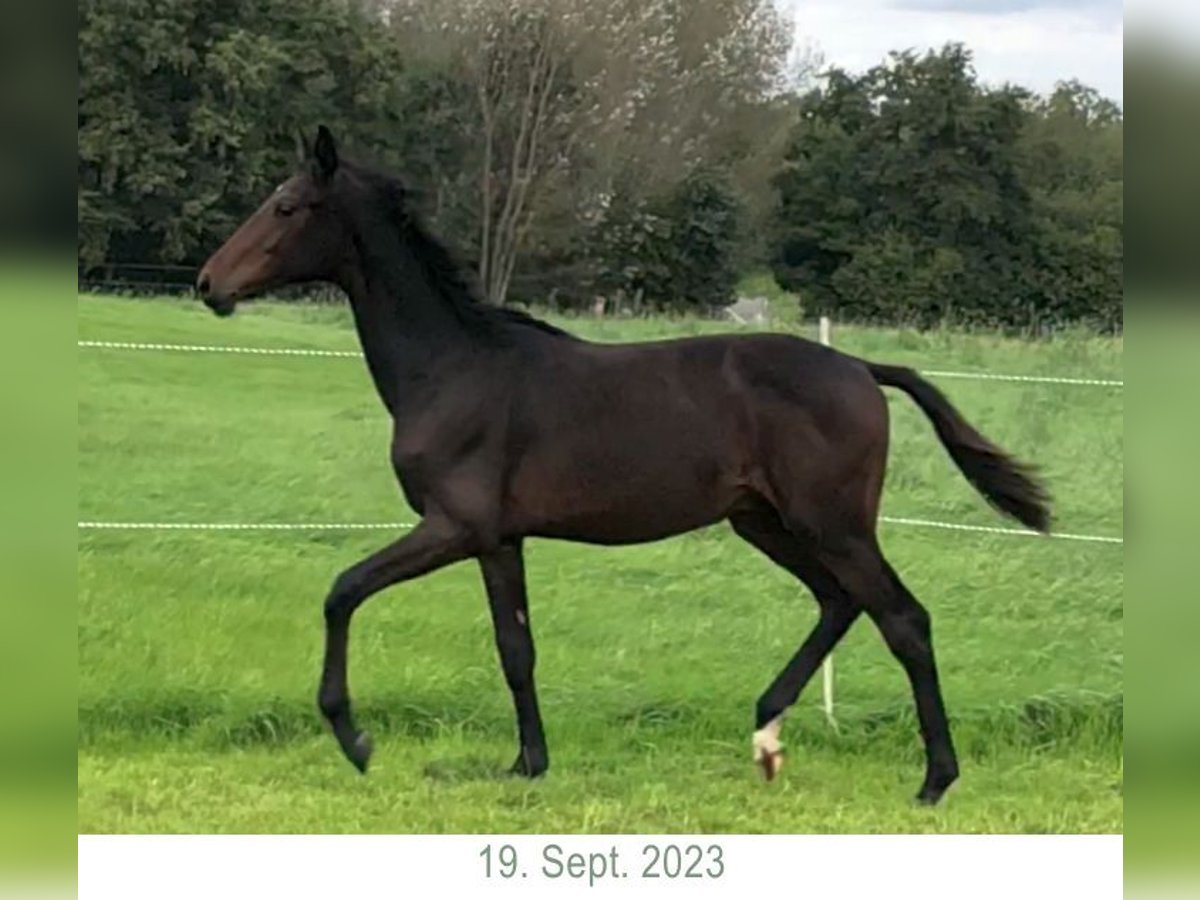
(649, 152)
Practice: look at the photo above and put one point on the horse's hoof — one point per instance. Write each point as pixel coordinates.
(930, 795)
(530, 764)
(769, 763)
(935, 788)
(359, 753)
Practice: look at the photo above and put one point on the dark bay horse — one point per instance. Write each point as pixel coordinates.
(506, 427)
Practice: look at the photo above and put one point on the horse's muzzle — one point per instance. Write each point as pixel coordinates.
(220, 303)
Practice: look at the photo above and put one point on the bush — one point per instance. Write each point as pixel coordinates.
(676, 253)
(913, 194)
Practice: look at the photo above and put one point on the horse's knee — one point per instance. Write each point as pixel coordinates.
(343, 596)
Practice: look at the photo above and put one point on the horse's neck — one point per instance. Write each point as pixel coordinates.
(407, 331)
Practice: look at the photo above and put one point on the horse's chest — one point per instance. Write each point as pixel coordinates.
(413, 469)
(439, 463)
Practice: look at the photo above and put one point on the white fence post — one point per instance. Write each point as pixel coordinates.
(827, 666)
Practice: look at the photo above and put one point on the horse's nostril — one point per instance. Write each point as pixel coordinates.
(202, 283)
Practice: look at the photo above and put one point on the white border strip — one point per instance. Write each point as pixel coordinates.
(395, 526)
(557, 866)
(354, 354)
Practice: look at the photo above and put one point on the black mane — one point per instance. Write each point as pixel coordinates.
(450, 278)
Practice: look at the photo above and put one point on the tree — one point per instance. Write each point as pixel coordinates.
(188, 108)
(585, 108)
(679, 252)
(912, 193)
(524, 126)
(1073, 148)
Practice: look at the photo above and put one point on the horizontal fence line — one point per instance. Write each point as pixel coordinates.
(206, 348)
(242, 526)
(391, 526)
(1036, 379)
(159, 287)
(355, 354)
(988, 529)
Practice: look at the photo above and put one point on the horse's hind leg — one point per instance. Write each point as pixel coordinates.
(764, 530)
(867, 578)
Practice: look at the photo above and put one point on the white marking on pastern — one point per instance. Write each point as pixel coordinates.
(768, 752)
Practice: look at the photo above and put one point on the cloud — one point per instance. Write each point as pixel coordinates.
(1031, 43)
(1110, 10)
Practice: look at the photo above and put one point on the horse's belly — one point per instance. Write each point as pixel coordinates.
(605, 530)
(616, 504)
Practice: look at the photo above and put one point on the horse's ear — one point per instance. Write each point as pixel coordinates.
(325, 153)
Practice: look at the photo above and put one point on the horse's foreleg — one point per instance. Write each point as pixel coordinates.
(432, 544)
(504, 576)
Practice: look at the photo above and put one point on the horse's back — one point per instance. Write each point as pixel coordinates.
(627, 442)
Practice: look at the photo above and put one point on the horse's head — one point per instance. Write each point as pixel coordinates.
(297, 235)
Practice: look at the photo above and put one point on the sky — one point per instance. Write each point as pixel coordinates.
(1032, 43)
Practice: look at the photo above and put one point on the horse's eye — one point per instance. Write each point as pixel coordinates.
(284, 209)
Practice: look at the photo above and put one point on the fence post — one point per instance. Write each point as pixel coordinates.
(827, 666)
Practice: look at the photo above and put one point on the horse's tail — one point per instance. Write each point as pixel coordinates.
(1010, 486)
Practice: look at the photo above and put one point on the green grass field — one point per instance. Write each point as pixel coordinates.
(199, 651)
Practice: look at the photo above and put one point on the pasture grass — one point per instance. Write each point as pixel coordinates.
(199, 651)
